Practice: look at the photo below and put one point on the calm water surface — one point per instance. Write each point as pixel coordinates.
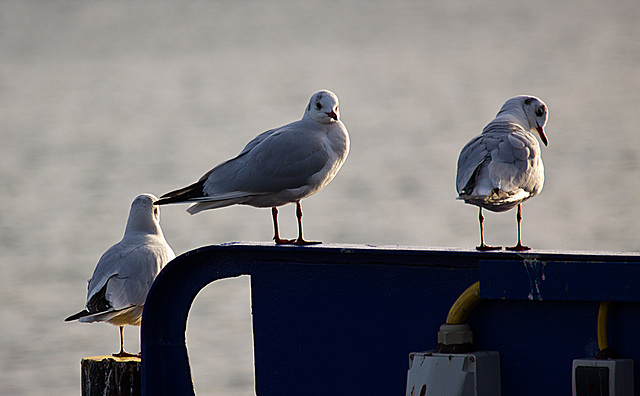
(100, 101)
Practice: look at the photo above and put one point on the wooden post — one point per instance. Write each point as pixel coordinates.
(110, 376)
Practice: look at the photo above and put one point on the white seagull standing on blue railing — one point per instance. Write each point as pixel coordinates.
(278, 167)
(502, 167)
(123, 276)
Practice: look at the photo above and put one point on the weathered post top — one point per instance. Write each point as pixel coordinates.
(110, 375)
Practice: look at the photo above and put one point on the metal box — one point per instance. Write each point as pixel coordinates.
(610, 377)
(468, 374)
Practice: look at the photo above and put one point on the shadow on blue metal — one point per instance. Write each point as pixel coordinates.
(342, 319)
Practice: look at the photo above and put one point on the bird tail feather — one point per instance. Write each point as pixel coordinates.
(77, 316)
(184, 194)
(200, 206)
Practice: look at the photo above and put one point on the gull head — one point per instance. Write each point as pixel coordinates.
(323, 107)
(537, 115)
(144, 215)
(529, 112)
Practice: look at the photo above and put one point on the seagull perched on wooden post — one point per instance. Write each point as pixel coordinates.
(123, 276)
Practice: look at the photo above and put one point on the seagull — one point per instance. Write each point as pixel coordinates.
(502, 167)
(123, 276)
(278, 167)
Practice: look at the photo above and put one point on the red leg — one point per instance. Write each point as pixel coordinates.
(122, 352)
(519, 247)
(276, 232)
(300, 240)
(483, 247)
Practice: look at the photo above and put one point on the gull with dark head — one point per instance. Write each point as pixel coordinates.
(280, 166)
(502, 167)
(123, 276)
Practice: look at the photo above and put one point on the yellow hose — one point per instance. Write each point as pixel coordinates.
(471, 297)
(603, 314)
(465, 303)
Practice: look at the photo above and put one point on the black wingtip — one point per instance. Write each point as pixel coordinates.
(161, 201)
(182, 195)
(171, 199)
(77, 316)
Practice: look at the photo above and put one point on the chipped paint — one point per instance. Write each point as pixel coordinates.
(536, 275)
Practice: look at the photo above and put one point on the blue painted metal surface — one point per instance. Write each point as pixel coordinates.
(339, 319)
(570, 278)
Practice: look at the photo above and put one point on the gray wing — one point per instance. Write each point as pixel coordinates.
(253, 143)
(282, 159)
(515, 161)
(471, 157)
(256, 140)
(128, 270)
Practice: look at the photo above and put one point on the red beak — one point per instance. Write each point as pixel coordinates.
(543, 137)
(333, 115)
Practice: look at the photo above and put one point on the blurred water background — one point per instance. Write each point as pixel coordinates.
(100, 101)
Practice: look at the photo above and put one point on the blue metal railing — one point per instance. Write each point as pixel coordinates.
(339, 319)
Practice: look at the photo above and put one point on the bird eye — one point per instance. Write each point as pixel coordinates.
(318, 106)
(540, 111)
